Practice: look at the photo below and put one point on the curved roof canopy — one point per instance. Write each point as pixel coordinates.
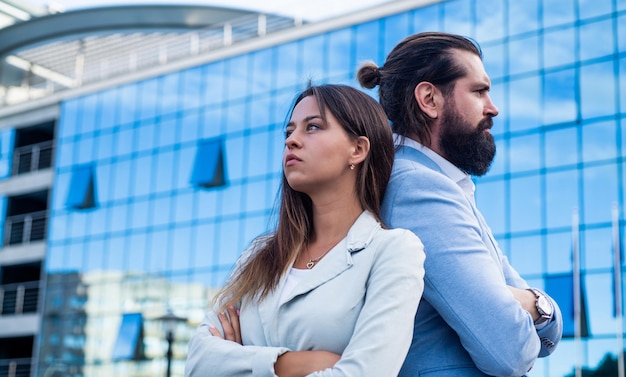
(44, 55)
(110, 19)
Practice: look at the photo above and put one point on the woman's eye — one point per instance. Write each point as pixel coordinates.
(288, 133)
(312, 126)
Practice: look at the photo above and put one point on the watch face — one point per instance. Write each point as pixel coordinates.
(544, 305)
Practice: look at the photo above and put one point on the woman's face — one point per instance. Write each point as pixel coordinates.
(317, 152)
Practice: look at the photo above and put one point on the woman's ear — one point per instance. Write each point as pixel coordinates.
(427, 97)
(360, 151)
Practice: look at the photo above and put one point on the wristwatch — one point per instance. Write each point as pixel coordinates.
(544, 306)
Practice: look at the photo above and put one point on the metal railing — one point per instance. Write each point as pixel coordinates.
(15, 367)
(19, 298)
(25, 228)
(32, 158)
(61, 65)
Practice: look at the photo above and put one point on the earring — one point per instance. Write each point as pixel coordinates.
(351, 166)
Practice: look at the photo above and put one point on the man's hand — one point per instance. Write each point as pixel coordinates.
(527, 299)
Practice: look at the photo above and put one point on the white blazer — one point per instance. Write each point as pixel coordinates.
(359, 301)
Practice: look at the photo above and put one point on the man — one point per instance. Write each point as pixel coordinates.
(477, 316)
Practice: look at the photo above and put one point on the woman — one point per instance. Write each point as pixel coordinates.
(330, 292)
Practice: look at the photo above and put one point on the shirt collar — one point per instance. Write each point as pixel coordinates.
(457, 175)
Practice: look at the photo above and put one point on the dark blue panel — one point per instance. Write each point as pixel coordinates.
(81, 193)
(129, 343)
(560, 288)
(208, 169)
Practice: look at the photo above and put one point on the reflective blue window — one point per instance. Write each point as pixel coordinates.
(107, 115)
(590, 45)
(208, 168)
(598, 249)
(259, 161)
(559, 47)
(148, 97)
(523, 16)
(525, 108)
(526, 254)
(601, 179)
(524, 55)
(204, 246)
(493, 60)
(559, 252)
(396, 28)
(590, 9)
(427, 19)
(136, 254)
(559, 97)
(262, 63)
(129, 343)
(561, 198)
(525, 153)
(339, 60)
(489, 19)
(561, 147)
(313, 60)
(82, 189)
(181, 245)
(144, 136)
(141, 180)
(3, 207)
(597, 90)
(599, 141)
(456, 17)
(169, 97)
(490, 197)
(558, 12)
(184, 157)
(185, 207)
(600, 304)
(87, 118)
(214, 86)
(238, 77)
(68, 124)
(127, 102)
(191, 88)
(560, 288)
(120, 180)
(164, 174)
(159, 250)
(7, 139)
(525, 214)
(363, 46)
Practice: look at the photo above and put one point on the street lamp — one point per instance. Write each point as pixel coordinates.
(169, 321)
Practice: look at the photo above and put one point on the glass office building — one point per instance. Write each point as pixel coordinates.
(160, 183)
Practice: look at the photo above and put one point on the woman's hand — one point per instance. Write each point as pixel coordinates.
(230, 324)
(303, 363)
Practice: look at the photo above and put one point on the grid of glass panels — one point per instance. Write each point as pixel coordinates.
(153, 240)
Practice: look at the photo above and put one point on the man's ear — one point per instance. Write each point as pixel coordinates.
(428, 99)
(360, 151)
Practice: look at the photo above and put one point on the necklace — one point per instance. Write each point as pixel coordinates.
(312, 262)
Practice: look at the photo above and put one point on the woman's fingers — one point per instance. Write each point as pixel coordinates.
(234, 322)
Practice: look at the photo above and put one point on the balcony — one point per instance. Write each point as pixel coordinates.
(25, 228)
(32, 157)
(15, 367)
(19, 298)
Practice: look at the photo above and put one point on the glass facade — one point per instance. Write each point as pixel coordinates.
(160, 184)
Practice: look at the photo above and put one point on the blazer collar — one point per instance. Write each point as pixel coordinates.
(338, 260)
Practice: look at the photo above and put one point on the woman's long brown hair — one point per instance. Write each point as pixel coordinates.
(359, 115)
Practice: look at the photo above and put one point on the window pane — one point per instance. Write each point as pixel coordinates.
(489, 19)
(598, 249)
(602, 179)
(561, 147)
(525, 103)
(599, 141)
(238, 77)
(559, 253)
(339, 53)
(526, 255)
(525, 214)
(523, 16)
(523, 55)
(559, 97)
(490, 197)
(456, 17)
(559, 47)
(558, 12)
(524, 153)
(561, 198)
(597, 90)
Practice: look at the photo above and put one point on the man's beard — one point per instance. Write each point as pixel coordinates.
(471, 150)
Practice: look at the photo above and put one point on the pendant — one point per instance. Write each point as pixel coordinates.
(310, 264)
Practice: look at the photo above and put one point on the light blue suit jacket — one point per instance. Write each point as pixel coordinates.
(468, 323)
(359, 301)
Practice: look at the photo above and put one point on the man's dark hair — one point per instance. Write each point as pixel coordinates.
(420, 57)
